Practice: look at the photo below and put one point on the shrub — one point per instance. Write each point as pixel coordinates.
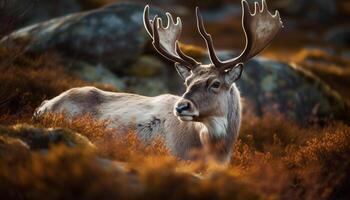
(27, 80)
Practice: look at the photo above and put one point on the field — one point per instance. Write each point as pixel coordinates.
(274, 157)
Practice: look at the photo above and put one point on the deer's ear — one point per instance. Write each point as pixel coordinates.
(234, 74)
(183, 71)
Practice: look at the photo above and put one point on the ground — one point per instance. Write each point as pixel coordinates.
(273, 158)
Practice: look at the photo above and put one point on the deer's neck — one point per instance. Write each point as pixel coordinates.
(218, 133)
(229, 121)
(215, 127)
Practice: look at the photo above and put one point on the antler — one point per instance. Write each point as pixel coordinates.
(207, 37)
(259, 28)
(165, 40)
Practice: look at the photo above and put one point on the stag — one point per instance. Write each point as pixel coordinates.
(206, 117)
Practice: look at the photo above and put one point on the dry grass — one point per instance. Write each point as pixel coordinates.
(27, 80)
(273, 158)
(122, 147)
(276, 162)
(334, 70)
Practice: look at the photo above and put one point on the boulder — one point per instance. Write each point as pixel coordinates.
(20, 13)
(316, 10)
(95, 73)
(273, 86)
(339, 36)
(147, 75)
(41, 138)
(113, 35)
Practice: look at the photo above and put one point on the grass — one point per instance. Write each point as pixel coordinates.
(333, 69)
(274, 163)
(27, 80)
(273, 158)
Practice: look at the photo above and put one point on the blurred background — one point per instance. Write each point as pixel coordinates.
(294, 141)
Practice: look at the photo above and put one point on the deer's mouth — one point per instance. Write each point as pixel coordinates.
(186, 116)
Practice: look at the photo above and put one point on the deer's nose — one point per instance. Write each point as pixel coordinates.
(182, 106)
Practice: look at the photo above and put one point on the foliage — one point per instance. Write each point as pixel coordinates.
(273, 158)
(332, 68)
(274, 163)
(27, 80)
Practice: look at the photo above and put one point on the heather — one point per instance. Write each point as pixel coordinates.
(294, 140)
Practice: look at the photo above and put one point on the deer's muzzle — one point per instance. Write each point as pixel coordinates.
(185, 110)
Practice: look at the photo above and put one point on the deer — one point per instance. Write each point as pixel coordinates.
(207, 117)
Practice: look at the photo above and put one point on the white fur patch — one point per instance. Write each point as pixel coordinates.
(217, 126)
(70, 108)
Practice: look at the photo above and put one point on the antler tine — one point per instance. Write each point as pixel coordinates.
(208, 40)
(165, 39)
(178, 50)
(260, 28)
(171, 20)
(256, 8)
(264, 6)
(147, 22)
(183, 56)
(157, 45)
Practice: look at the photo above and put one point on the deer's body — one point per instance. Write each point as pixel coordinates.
(207, 116)
(152, 116)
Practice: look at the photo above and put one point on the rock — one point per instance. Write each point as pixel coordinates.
(345, 54)
(221, 13)
(112, 35)
(146, 86)
(339, 36)
(272, 86)
(316, 10)
(41, 138)
(147, 75)
(145, 66)
(96, 73)
(26, 12)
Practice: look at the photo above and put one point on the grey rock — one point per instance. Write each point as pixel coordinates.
(339, 36)
(316, 10)
(96, 73)
(221, 13)
(146, 86)
(147, 75)
(145, 66)
(150, 76)
(272, 86)
(26, 12)
(112, 35)
(346, 54)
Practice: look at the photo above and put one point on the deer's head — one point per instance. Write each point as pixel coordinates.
(208, 84)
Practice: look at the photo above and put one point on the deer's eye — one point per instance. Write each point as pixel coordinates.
(215, 85)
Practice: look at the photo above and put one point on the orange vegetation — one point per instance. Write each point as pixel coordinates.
(273, 158)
